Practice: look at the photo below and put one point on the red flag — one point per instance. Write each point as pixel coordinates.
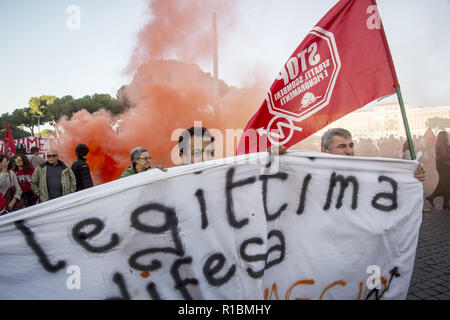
(8, 147)
(342, 65)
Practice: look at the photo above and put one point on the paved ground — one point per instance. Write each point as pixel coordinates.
(431, 275)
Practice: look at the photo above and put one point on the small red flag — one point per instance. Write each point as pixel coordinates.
(8, 147)
(342, 65)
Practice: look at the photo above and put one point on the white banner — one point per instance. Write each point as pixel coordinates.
(321, 227)
(29, 142)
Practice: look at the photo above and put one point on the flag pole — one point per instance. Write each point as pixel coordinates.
(397, 87)
(405, 122)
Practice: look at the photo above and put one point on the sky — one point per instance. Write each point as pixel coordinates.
(43, 51)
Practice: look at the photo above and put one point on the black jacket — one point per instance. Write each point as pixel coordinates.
(82, 173)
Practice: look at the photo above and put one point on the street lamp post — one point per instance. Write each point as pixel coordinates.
(39, 123)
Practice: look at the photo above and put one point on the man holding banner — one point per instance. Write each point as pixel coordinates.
(339, 141)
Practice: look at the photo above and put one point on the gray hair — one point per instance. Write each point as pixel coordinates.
(328, 136)
(136, 154)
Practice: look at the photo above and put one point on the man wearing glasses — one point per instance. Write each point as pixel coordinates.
(140, 162)
(196, 145)
(339, 141)
(53, 178)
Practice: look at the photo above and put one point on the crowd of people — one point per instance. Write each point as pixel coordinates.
(443, 169)
(29, 179)
(434, 156)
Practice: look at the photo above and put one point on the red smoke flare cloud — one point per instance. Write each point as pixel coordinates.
(168, 92)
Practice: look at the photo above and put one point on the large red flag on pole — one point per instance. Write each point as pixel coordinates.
(8, 147)
(342, 65)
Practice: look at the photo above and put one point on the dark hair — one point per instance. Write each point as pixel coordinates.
(34, 149)
(21, 148)
(26, 162)
(442, 139)
(81, 150)
(197, 131)
(136, 154)
(11, 164)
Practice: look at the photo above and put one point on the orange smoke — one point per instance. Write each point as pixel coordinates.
(166, 94)
(107, 156)
(180, 29)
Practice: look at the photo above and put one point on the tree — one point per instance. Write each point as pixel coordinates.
(105, 101)
(122, 99)
(58, 109)
(53, 109)
(24, 117)
(67, 106)
(5, 119)
(17, 133)
(39, 105)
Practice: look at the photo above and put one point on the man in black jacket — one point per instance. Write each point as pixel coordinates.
(81, 169)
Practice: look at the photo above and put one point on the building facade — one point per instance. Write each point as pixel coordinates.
(385, 120)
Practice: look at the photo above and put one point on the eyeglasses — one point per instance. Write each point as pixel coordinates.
(198, 152)
(52, 156)
(146, 158)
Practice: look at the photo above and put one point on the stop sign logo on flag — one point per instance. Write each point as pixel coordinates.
(305, 84)
(308, 78)
(341, 65)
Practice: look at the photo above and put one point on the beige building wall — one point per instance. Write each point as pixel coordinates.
(386, 120)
